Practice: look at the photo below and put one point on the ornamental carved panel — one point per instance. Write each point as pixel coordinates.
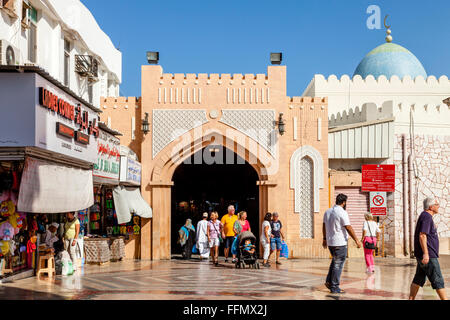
(256, 124)
(168, 125)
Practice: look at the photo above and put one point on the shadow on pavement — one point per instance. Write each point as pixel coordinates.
(10, 293)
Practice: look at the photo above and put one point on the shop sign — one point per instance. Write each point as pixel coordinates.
(58, 112)
(108, 156)
(378, 177)
(53, 102)
(130, 171)
(40, 114)
(378, 203)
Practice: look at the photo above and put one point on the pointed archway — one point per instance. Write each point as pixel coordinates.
(167, 162)
(205, 186)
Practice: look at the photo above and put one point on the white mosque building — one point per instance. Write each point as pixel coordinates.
(390, 112)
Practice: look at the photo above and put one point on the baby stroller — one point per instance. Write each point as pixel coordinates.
(243, 256)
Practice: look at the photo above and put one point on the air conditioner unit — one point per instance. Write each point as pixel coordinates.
(9, 55)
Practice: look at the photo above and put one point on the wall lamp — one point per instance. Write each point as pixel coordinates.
(281, 124)
(145, 125)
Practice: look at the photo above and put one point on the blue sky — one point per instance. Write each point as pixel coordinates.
(236, 36)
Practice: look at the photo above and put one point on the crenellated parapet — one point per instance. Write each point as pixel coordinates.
(433, 114)
(370, 81)
(116, 102)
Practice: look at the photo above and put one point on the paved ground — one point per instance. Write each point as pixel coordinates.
(179, 279)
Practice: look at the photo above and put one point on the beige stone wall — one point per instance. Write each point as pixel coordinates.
(213, 94)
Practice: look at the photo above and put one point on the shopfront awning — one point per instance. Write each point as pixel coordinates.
(48, 187)
(128, 201)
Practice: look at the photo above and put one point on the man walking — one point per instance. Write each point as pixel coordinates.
(336, 224)
(426, 251)
(228, 234)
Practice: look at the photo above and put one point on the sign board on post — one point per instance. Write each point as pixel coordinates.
(378, 202)
(378, 177)
(130, 171)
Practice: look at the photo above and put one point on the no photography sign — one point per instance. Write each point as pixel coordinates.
(378, 205)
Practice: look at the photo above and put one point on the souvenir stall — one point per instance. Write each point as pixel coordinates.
(17, 229)
(105, 238)
(47, 152)
(130, 206)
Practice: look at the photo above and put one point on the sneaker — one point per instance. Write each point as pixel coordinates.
(226, 260)
(278, 262)
(338, 290)
(233, 261)
(266, 265)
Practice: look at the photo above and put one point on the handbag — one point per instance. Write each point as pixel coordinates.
(220, 236)
(369, 245)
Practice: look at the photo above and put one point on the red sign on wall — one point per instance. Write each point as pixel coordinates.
(378, 177)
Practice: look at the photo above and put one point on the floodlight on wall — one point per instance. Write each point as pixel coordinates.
(276, 57)
(145, 125)
(152, 57)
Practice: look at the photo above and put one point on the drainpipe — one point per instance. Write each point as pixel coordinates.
(405, 195)
(411, 208)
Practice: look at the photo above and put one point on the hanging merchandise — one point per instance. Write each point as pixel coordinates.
(136, 227)
(31, 248)
(33, 224)
(6, 231)
(83, 217)
(4, 247)
(7, 208)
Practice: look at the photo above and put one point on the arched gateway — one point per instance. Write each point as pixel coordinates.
(191, 114)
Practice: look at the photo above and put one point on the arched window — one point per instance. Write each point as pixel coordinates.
(306, 179)
(305, 194)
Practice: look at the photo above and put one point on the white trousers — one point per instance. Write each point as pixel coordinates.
(266, 247)
(72, 250)
(203, 249)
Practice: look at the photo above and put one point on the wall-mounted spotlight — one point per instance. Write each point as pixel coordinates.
(152, 57)
(145, 125)
(276, 57)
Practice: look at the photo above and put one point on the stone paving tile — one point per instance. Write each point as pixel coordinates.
(300, 279)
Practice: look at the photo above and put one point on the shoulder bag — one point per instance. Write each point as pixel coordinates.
(220, 236)
(369, 245)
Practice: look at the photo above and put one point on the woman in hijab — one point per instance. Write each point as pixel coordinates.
(187, 239)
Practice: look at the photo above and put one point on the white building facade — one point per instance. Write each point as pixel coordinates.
(63, 38)
(391, 112)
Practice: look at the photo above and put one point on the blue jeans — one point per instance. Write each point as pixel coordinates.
(337, 264)
(275, 244)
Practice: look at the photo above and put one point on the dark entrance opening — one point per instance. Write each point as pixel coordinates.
(202, 187)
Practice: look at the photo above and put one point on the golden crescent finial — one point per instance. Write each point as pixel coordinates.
(385, 18)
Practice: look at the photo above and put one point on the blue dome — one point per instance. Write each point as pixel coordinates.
(390, 59)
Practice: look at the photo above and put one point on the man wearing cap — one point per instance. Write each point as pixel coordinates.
(50, 235)
(202, 237)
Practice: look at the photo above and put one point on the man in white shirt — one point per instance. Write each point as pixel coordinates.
(336, 224)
